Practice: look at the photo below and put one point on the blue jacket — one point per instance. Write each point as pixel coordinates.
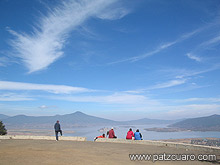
(137, 136)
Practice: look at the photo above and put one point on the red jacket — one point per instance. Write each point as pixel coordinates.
(111, 134)
(130, 134)
(101, 136)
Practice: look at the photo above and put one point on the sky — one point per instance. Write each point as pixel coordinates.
(116, 59)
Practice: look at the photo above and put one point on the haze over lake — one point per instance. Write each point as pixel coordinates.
(91, 126)
(121, 131)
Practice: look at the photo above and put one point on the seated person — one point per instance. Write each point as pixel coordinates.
(137, 135)
(130, 134)
(102, 136)
(111, 133)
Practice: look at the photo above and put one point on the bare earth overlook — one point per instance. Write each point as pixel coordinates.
(24, 152)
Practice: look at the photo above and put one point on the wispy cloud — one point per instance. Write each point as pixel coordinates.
(203, 100)
(58, 89)
(193, 57)
(202, 47)
(15, 97)
(190, 73)
(44, 45)
(69, 93)
(195, 110)
(43, 107)
(215, 40)
(3, 61)
(46, 107)
(117, 13)
(169, 84)
(115, 98)
(7, 59)
(160, 48)
(163, 85)
(138, 91)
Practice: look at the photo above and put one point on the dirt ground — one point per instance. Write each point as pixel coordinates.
(25, 152)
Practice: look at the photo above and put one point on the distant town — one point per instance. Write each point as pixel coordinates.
(166, 129)
(206, 142)
(214, 142)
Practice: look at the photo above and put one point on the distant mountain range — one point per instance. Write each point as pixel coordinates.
(208, 123)
(3, 116)
(77, 119)
(151, 121)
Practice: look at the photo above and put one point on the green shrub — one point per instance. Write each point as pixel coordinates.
(3, 130)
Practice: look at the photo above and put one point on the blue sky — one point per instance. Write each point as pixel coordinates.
(113, 59)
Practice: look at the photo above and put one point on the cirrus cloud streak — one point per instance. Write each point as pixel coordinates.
(44, 45)
(57, 89)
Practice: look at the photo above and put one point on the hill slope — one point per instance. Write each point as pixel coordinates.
(69, 120)
(146, 121)
(72, 120)
(3, 116)
(208, 123)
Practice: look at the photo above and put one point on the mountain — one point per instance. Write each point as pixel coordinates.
(68, 120)
(72, 120)
(3, 116)
(79, 119)
(208, 123)
(151, 121)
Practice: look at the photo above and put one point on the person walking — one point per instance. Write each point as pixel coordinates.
(57, 129)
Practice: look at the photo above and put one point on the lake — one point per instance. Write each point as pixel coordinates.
(121, 132)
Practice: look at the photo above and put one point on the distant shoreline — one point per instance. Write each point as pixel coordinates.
(174, 129)
(42, 132)
(156, 129)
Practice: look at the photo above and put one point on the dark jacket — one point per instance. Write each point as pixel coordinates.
(57, 127)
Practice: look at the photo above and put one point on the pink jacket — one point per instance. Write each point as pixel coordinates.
(130, 134)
